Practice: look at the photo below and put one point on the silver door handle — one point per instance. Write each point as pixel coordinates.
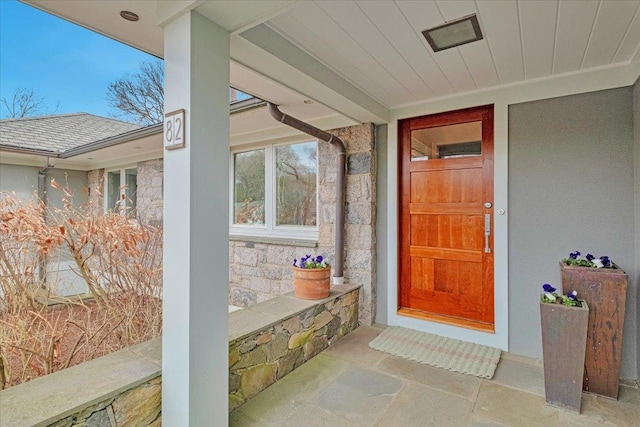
(487, 233)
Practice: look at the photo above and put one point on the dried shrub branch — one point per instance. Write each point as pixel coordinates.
(118, 259)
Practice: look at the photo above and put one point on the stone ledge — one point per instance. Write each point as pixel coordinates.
(271, 339)
(245, 322)
(91, 387)
(45, 400)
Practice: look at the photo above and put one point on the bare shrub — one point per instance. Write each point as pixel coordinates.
(118, 259)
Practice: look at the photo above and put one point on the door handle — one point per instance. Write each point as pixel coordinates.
(487, 233)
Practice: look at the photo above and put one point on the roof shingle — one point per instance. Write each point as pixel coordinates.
(58, 133)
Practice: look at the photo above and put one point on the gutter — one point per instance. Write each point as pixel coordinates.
(87, 148)
(113, 140)
(42, 195)
(338, 273)
(34, 151)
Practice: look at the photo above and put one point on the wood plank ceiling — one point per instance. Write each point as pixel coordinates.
(378, 45)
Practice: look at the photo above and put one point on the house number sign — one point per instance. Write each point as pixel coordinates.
(174, 130)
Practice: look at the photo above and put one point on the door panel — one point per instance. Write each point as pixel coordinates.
(446, 260)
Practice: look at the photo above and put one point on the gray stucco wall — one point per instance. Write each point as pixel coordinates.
(571, 187)
(636, 127)
(23, 180)
(75, 180)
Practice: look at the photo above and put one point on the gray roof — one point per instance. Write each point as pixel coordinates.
(58, 133)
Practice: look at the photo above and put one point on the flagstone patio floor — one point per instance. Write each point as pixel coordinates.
(350, 384)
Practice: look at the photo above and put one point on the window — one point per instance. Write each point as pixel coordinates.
(120, 189)
(274, 191)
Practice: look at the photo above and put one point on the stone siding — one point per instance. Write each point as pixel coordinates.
(139, 406)
(95, 190)
(360, 224)
(150, 192)
(259, 271)
(266, 355)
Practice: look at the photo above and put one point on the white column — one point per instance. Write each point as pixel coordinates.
(196, 210)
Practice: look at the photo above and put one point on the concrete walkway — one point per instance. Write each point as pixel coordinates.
(353, 385)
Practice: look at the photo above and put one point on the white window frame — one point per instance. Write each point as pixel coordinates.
(123, 178)
(269, 228)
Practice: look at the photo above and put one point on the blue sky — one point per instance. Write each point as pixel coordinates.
(67, 65)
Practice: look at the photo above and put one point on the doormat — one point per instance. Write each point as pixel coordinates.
(447, 353)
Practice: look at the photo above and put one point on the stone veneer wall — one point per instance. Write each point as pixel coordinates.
(266, 355)
(259, 271)
(123, 388)
(95, 186)
(150, 192)
(139, 406)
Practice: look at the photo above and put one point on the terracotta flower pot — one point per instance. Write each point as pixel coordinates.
(605, 290)
(564, 335)
(311, 283)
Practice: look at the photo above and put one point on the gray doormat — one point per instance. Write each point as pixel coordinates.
(447, 353)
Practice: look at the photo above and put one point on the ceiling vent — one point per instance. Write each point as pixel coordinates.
(454, 33)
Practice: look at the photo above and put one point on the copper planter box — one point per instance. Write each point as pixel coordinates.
(564, 337)
(605, 290)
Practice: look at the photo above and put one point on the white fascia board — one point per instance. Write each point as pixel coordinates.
(274, 59)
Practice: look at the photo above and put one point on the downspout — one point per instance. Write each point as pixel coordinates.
(42, 195)
(338, 273)
(42, 182)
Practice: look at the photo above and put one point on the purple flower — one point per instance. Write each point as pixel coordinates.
(573, 295)
(309, 261)
(574, 255)
(590, 257)
(548, 288)
(605, 261)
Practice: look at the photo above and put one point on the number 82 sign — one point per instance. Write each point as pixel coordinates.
(174, 130)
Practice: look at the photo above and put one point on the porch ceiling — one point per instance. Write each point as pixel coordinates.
(364, 58)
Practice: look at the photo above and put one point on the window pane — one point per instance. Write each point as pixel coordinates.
(248, 194)
(446, 142)
(113, 190)
(132, 187)
(296, 169)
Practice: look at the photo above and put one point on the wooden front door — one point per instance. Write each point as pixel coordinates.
(446, 218)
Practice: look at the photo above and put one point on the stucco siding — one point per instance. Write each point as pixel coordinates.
(75, 180)
(636, 275)
(571, 187)
(22, 180)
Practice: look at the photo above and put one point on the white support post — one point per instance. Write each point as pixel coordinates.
(196, 251)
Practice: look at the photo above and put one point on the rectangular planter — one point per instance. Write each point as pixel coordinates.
(605, 290)
(564, 332)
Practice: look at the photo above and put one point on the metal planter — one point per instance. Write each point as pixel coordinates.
(564, 337)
